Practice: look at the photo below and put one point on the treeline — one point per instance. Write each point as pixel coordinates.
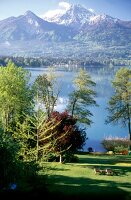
(88, 61)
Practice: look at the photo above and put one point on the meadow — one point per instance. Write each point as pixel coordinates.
(79, 181)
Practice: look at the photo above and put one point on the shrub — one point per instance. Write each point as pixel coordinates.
(121, 150)
(50, 157)
(90, 149)
(70, 157)
(116, 144)
(14, 172)
(8, 160)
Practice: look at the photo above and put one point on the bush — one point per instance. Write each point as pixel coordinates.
(70, 157)
(13, 170)
(27, 178)
(90, 149)
(50, 157)
(121, 150)
(15, 174)
(116, 144)
(8, 160)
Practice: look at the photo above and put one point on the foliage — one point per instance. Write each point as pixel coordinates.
(119, 56)
(8, 161)
(70, 158)
(28, 178)
(24, 135)
(15, 95)
(90, 149)
(111, 144)
(47, 91)
(66, 136)
(82, 97)
(121, 150)
(13, 169)
(120, 103)
(50, 157)
(42, 133)
(31, 135)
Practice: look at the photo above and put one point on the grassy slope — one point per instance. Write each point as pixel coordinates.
(79, 180)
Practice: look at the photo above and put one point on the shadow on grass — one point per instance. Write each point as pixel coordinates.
(33, 189)
(83, 188)
(64, 187)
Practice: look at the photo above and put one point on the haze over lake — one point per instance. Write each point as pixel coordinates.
(102, 76)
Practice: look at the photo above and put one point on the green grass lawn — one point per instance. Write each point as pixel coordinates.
(79, 179)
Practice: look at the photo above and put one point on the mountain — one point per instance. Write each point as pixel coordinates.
(91, 27)
(78, 28)
(74, 17)
(31, 27)
(106, 30)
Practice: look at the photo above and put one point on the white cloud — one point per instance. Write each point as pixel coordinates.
(91, 10)
(62, 8)
(52, 13)
(64, 5)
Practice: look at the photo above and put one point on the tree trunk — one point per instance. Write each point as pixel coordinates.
(73, 107)
(37, 146)
(129, 136)
(129, 129)
(60, 158)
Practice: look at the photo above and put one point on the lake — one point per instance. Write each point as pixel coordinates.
(98, 130)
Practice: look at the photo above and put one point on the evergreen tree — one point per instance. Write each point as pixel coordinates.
(82, 97)
(120, 103)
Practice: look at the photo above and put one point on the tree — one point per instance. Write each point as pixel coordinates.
(15, 171)
(15, 94)
(33, 136)
(82, 97)
(47, 91)
(120, 103)
(8, 160)
(68, 136)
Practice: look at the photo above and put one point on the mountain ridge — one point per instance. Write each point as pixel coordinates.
(76, 25)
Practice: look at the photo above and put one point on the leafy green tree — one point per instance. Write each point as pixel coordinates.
(82, 97)
(120, 103)
(47, 91)
(15, 94)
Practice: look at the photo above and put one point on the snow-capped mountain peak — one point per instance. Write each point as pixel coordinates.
(76, 15)
(29, 13)
(100, 18)
(71, 23)
(54, 16)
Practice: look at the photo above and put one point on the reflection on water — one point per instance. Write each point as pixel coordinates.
(102, 76)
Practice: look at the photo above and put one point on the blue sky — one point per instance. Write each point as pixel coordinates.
(116, 8)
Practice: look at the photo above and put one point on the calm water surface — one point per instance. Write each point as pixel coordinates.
(98, 130)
